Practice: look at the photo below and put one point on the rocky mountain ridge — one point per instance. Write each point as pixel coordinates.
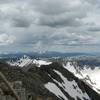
(50, 80)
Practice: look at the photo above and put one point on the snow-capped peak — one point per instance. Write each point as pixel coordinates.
(23, 61)
(26, 60)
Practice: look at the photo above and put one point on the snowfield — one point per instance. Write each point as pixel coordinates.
(91, 76)
(55, 90)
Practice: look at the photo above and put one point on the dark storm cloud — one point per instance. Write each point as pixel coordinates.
(21, 22)
(60, 21)
(55, 13)
(4, 1)
(94, 29)
(49, 7)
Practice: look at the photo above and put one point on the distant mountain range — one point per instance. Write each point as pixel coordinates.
(44, 54)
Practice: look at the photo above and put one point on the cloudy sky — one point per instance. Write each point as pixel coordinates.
(50, 25)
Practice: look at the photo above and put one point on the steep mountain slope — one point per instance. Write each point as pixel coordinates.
(50, 80)
(63, 83)
(86, 73)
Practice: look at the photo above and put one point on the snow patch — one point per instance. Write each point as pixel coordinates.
(71, 88)
(55, 90)
(41, 62)
(75, 70)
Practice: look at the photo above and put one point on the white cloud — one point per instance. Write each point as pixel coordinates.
(6, 39)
